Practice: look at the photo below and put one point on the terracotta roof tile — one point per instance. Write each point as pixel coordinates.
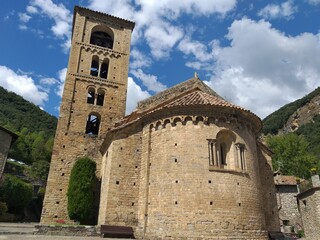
(285, 180)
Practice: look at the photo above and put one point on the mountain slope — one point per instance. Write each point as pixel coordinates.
(16, 113)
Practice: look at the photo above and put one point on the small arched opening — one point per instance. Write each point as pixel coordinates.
(226, 141)
(101, 39)
(91, 95)
(104, 69)
(100, 97)
(93, 124)
(94, 69)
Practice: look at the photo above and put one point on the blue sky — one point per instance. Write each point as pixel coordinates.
(255, 53)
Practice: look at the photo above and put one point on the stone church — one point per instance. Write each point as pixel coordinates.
(186, 164)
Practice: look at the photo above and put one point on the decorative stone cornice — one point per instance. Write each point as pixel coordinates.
(100, 50)
(92, 79)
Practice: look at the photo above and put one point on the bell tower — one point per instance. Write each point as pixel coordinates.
(94, 98)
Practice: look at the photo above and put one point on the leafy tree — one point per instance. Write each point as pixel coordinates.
(15, 193)
(291, 155)
(80, 190)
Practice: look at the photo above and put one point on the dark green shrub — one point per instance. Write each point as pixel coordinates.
(80, 190)
(3, 208)
(15, 193)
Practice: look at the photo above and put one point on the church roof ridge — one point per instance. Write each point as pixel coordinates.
(176, 90)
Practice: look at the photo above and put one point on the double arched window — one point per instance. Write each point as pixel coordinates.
(98, 69)
(225, 153)
(95, 98)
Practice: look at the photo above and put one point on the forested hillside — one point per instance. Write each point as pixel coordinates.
(35, 129)
(293, 134)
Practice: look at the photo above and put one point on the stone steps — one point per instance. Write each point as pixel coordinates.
(16, 228)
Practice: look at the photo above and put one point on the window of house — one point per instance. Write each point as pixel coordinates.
(102, 39)
(100, 97)
(90, 96)
(212, 152)
(93, 123)
(223, 153)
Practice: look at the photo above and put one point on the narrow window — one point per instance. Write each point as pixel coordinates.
(93, 123)
(101, 39)
(104, 69)
(223, 154)
(100, 97)
(241, 157)
(94, 70)
(90, 96)
(212, 151)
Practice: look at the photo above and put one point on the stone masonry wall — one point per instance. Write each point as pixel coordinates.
(71, 141)
(180, 197)
(120, 185)
(268, 188)
(5, 142)
(310, 212)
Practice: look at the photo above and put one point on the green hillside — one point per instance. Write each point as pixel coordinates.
(16, 113)
(276, 120)
(298, 152)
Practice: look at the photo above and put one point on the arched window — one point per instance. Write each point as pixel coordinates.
(225, 149)
(100, 97)
(90, 96)
(101, 39)
(93, 123)
(94, 70)
(104, 69)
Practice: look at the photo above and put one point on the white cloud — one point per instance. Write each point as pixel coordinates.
(61, 16)
(154, 18)
(283, 10)
(313, 2)
(139, 59)
(24, 17)
(22, 85)
(62, 77)
(134, 95)
(264, 69)
(148, 80)
(48, 81)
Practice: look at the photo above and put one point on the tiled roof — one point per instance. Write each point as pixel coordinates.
(194, 98)
(200, 98)
(285, 180)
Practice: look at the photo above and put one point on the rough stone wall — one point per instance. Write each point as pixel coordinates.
(71, 141)
(5, 142)
(120, 185)
(310, 212)
(181, 197)
(268, 189)
(287, 203)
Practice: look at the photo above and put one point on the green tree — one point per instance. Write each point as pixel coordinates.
(15, 193)
(291, 155)
(80, 190)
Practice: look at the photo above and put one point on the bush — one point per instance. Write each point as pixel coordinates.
(15, 193)
(80, 190)
(3, 208)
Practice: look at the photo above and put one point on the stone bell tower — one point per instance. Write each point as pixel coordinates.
(94, 98)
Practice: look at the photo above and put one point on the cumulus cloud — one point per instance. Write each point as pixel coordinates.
(264, 69)
(283, 10)
(61, 16)
(148, 80)
(138, 59)
(134, 95)
(154, 19)
(22, 85)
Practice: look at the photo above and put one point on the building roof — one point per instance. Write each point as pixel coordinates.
(190, 93)
(13, 135)
(285, 180)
